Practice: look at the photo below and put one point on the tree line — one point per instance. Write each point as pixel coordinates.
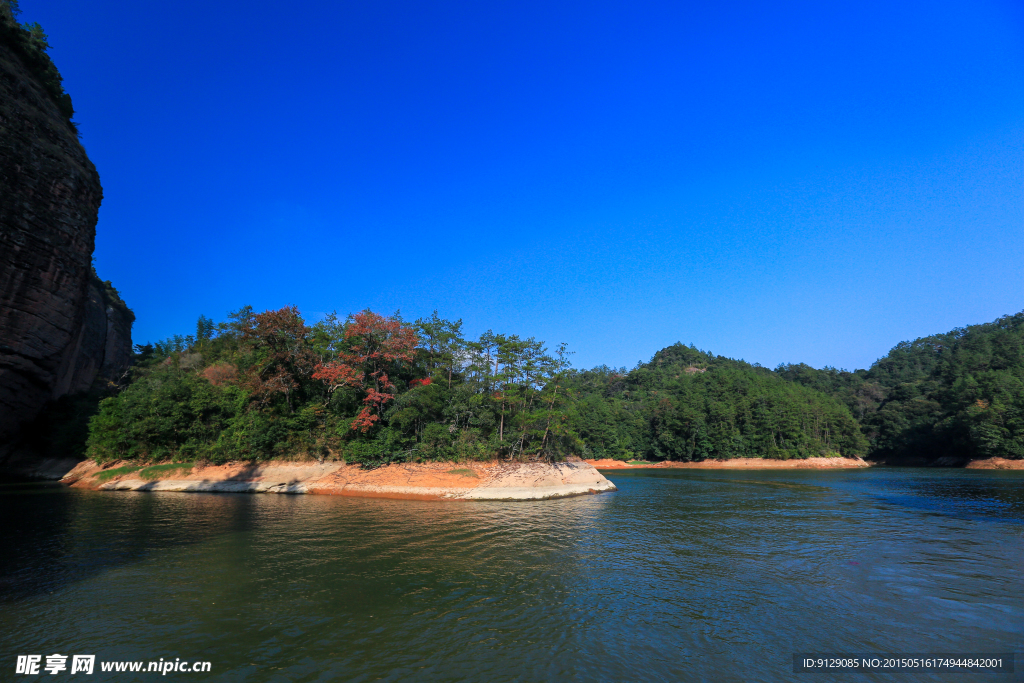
(371, 388)
(687, 404)
(957, 395)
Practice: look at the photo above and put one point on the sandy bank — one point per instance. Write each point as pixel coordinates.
(739, 464)
(995, 464)
(427, 481)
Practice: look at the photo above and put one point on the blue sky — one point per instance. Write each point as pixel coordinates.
(778, 182)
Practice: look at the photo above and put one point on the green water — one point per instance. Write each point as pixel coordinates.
(679, 576)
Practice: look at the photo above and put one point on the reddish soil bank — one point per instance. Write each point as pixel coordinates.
(995, 464)
(739, 464)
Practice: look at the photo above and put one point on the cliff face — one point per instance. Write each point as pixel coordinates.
(58, 328)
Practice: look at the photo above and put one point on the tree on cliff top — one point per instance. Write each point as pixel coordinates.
(9, 10)
(31, 44)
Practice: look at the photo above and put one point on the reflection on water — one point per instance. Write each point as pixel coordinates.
(681, 575)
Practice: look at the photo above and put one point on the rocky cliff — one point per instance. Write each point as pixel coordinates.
(61, 329)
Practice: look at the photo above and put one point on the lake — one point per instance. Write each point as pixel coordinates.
(686, 575)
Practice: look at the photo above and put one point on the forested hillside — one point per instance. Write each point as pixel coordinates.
(690, 405)
(957, 395)
(369, 389)
(377, 389)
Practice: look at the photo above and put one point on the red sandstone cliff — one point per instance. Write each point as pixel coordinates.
(59, 329)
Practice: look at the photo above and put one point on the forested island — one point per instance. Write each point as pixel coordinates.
(377, 389)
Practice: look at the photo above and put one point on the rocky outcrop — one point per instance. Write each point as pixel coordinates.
(995, 464)
(60, 328)
(410, 481)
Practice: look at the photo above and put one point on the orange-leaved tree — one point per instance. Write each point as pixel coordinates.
(376, 345)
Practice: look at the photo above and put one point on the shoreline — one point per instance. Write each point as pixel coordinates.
(808, 464)
(995, 464)
(738, 464)
(408, 481)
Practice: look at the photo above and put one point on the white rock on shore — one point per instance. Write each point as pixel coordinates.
(432, 481)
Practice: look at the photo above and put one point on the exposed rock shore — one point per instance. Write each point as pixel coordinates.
(995, 464)
(426, 481)
(739, 464)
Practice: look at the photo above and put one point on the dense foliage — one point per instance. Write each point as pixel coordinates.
(374, 389)
(690, 405)
(377, 389)
(956, 395)
(367, 389)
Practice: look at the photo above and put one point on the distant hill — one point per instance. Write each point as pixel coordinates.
(687, 404)
(958, 395)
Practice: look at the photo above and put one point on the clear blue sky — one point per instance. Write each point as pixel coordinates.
(778, 182)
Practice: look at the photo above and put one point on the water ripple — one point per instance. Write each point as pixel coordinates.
(678, 576)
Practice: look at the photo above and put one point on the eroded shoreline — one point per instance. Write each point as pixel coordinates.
(738, 464)
(995, 464)
(805, 464)
(412, 481)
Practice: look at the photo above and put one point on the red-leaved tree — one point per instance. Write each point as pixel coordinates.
(281, 354)
(376, 345)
